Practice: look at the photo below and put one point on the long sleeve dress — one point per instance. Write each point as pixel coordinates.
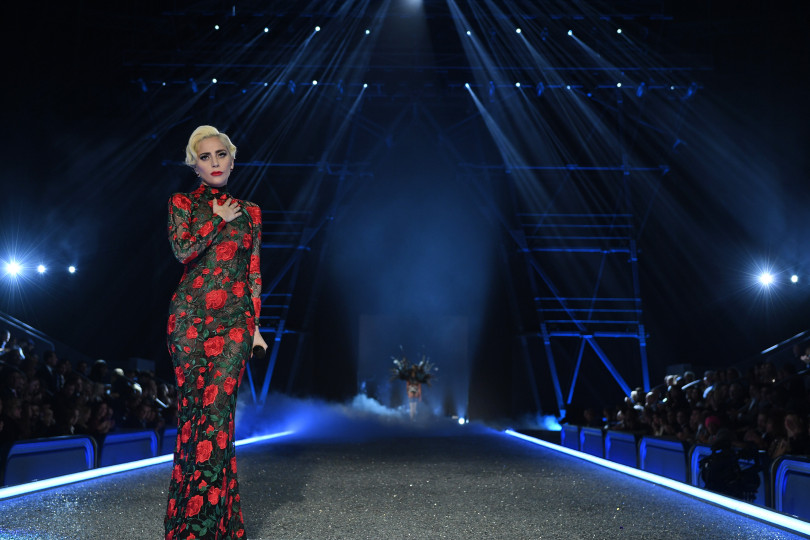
(212, 317)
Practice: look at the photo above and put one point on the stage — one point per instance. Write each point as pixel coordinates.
(435, 481)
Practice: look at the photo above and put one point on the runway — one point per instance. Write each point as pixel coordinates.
(436, 481)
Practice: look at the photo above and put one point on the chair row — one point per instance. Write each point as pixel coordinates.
(40, 459)
(783, 483)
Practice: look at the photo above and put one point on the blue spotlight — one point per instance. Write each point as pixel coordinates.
(265, 84)
(214, 81)
(266, 29)
(193, 85)
(368, 31)
(794, 278)
(72, 269)
(618, 85)
(540, 88)
(518, 30)
(291, 86)
(517, 84)
(640, 89)
(216, 27)
(467, 85)
(365, 85)
(143, 85)
(41, 269)
(314, 83)
(570, 32)
(13, 268)
(766, 279)
(491, 88)
(461, 420)
(317, 28)
(469, 33)
(619, 31)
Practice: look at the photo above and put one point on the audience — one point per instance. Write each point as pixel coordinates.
(50, 398)
(768, 408)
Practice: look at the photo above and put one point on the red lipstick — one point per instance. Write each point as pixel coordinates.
(216, 173)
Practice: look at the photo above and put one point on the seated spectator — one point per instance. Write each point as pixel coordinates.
(50, 377)
(99, 372)
(12, 418)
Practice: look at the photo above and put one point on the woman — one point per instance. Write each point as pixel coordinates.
(213, 327)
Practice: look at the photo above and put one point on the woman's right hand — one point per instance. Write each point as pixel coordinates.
(228, 211)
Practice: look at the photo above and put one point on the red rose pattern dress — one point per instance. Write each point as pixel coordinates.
(212, 317)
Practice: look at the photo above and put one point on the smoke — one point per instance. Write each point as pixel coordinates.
(362, 418)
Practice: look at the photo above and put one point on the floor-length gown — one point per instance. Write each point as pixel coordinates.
(212, 317)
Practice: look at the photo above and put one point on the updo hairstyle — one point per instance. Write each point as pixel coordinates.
(204, 132)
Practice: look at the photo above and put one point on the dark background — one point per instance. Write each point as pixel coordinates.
(91, 159)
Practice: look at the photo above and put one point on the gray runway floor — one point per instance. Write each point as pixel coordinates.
(459, 482)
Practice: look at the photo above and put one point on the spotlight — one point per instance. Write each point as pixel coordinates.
(265, 84)
(368, 31)
(41, 269)
(618, 85)
(163, 83)
(314, 83)
(317, 28)
(766, 279)
(365, 85)
(214, 81)
(143, 85)
(640, 90)
(518, 30)
(469, 33)
(216, 27)
(540, 88)
(461, 420)
(13, 268)
(193, 85)
(570, 32)
(266, 29)
(672, 87)
(517, 84)
(568, 87)
(72, 269)
(467, 85)
(794, 278)
(619, 31)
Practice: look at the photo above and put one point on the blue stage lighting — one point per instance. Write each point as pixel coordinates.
(467, 85)
(13, 268)
(72, 269)
(794, 278)
(469, 33)
(216, 27)
(619, 31)
(618, 85)
(317, 28)
(265, 84)
(266, 29)
(517, 84)
(214, 81)
(365, 85)
(41, 269)
(766, 279)
(368, 31)
(518, 30)
(640, 89)
(314, 83)
(540, 88)
(570, 32)
(568, 87)
(163, 83)
(143, 85)
(193, 85)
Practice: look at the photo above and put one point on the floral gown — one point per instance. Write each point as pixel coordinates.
(212, 317)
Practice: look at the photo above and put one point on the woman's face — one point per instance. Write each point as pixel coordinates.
(214, 162)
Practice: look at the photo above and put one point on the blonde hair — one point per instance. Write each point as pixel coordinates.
(204, 132)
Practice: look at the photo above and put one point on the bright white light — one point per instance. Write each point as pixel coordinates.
(570, 32)
(766, 278)
(368, 31)
(216, 27)
(214, 81)
(72, 269)
(735, 505)
(461, 420)
(163, 83)
(517, 84)
(672, 88)
(41, 268)
(266, 29)
(794, 278)
(365, 85)
(618, 85)
(619, 31)
(317, 28)
(568, 87)
(469, 33)
(518, 30)
(314, 83)
(467, 85)
(13, 268)
(265, 84)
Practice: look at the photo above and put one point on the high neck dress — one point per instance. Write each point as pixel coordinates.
(212, 317)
